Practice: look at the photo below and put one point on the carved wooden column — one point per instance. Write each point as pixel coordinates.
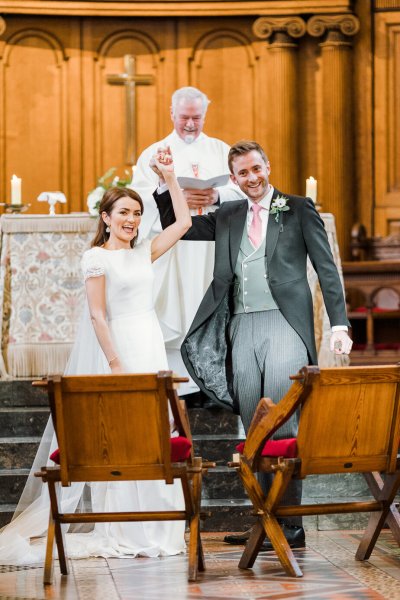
(282, 34)
(337, 183)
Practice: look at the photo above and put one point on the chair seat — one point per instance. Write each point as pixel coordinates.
(180, 450)
(286, 448)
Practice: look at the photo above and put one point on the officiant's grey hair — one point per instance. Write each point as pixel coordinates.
(189, 93)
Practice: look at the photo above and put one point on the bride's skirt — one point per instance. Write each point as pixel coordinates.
(139, 342)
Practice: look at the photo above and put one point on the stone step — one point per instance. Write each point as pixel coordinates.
(18, 452)
(6, 513)
(222, 482)
(12, 483)
(339, 485)
(19, 421)
(227, 515)
(216, 448)
(210, 421)
(22, 393)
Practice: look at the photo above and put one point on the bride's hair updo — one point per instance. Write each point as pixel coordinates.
(106, 205)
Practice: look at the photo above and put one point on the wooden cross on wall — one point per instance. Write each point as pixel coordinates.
(130, 80)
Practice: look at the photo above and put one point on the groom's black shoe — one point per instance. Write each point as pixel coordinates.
(294, 535)
(238, 538)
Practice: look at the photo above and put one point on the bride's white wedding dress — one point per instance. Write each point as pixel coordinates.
(139, 343)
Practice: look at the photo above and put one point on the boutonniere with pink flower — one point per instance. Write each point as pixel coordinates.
(278, 205)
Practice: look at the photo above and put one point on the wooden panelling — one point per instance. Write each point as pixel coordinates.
(105, 44)
(221, 62)
(387, 5)
(362, 89)
(387, 118)
(62, 125)
(38, 78)
(153, 8)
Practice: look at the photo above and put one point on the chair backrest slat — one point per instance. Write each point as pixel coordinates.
(108, 423)
(350, 420)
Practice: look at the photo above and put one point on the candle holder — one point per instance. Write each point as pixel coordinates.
(14, 208)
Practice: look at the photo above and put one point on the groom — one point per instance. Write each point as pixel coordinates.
(255, 325)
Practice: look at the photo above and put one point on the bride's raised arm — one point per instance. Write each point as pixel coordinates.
(162, 163)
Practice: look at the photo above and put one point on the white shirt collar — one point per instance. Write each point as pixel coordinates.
(266, 201)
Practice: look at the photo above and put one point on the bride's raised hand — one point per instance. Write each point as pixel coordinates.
(162, 162)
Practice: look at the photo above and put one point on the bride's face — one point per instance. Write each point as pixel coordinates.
(123, 221)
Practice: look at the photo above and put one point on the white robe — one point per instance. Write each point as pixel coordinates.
(183, 274)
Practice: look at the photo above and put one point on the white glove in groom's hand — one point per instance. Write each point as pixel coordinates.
(340, 342)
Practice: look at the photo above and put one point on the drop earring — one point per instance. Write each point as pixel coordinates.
(107, 229)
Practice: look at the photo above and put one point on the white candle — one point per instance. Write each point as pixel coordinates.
(15, 190)
(311, 189)
(134, 167)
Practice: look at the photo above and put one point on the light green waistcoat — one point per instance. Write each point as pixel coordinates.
(251, 289)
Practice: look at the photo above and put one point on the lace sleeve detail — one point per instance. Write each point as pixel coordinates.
(92, 265)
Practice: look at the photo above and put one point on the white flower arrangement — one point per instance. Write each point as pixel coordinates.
(278, 205)
(104, 183)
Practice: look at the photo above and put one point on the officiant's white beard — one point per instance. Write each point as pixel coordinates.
(189, 138)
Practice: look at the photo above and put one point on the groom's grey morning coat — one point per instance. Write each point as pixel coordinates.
(299, 232)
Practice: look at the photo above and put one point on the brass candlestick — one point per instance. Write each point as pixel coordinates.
(14, 208)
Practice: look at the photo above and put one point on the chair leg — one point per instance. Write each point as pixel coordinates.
(268, 524)
(48, 561)
(378, 519)
(195, 551)
(57, 532)
(201, 561)
(60, 538)
(253, 546)
(375, 484)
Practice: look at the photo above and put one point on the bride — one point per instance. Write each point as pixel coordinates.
(119, 333)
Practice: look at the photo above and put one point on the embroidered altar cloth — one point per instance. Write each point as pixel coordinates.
(41, 290)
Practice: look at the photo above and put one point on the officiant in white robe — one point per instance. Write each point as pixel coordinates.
(183, 274)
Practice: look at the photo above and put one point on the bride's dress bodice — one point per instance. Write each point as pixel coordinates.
(129, 278)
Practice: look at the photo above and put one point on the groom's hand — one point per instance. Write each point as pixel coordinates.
(340, 342)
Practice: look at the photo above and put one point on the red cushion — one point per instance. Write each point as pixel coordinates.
(55, 456)
(286, 448)
(375, 309)
(180, 450)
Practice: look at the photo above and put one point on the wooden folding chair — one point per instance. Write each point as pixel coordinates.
(349, 423)
(117, 428)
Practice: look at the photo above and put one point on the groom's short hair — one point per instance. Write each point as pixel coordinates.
(244, 147)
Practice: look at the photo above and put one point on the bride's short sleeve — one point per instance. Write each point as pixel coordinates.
(92, 265)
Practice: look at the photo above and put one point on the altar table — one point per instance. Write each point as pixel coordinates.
(42, 292)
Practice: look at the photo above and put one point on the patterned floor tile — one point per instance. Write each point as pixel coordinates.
(328, 564)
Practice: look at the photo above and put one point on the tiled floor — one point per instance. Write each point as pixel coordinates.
(330, 572)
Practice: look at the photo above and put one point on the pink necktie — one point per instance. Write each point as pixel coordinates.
(255, 230)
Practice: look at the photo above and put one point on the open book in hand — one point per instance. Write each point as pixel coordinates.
(194, 183)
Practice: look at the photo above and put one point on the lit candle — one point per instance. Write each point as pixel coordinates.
(15, 190)
(134, 167)
(311, 189)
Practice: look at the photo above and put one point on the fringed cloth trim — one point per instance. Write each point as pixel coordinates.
(79, 223)
(37, 360)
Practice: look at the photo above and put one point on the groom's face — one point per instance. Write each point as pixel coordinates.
(251, 173)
